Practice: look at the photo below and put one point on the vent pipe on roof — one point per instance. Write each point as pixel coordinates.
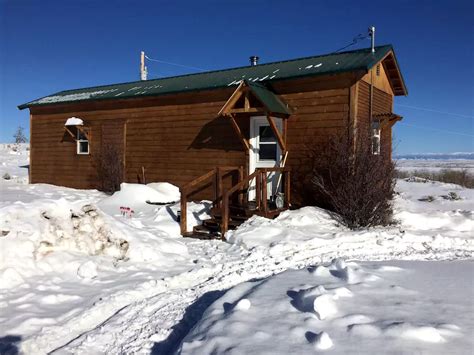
(143, 70)
(372, 37)
(254, 60)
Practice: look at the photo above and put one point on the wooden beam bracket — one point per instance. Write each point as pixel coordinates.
(277, 132)
(239, 132)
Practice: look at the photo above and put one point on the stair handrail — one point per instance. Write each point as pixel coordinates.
(189, 188)
(225, 200)
(260, 174)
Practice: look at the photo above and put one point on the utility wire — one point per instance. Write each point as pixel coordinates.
(436, 129)
(175, 64)
(355, 40)
(431, 110)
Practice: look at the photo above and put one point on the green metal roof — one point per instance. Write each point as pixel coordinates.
(268, 98)
(361, 59)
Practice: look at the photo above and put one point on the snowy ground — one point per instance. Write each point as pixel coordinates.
(76, 276)
(14, 162)
(403, 307)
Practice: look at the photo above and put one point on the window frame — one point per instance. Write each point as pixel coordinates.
(259, 142)
(376, 140)
(81, 137)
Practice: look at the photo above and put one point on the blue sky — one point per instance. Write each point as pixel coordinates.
(49, 46)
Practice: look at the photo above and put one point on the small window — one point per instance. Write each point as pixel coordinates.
(376, 138)
(267, 149)
(82, 143)
(377, 70)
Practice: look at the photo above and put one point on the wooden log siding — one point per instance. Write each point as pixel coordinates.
(382, 103)
(177, 143)
(318, 115)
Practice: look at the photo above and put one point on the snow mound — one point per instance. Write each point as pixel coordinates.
(169, 192)
(287, 230)
(243, 305)
(52, 226)
(323, 341)
(48, 229)
(408, 331)
(135, 197)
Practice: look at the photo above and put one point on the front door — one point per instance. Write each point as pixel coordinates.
(264, 152)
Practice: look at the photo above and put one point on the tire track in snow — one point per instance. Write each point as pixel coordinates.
(137, 327)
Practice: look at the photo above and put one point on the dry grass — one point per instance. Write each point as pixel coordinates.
(451, 176)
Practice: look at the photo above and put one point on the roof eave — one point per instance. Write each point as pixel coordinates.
(32, 104)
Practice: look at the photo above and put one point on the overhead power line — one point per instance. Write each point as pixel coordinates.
(437, 111)
(355, 40)
(175, 64)
(436, 129)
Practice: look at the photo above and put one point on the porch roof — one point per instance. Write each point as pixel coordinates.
(271, 101)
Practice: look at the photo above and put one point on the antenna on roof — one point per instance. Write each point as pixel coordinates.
(143, 70)
(372, 37)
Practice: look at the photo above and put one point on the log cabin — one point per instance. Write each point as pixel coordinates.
(239, 137)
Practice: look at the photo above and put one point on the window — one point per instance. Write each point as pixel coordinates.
(376, 138)
(82, 143)
(267, 149)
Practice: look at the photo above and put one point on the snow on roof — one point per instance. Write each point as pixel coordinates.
(74, 97)
(74, 121)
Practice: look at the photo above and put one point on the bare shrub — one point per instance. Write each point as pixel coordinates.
(109, 166)
(19, 135)
(355, 184)
(6, 176)
(451, 176)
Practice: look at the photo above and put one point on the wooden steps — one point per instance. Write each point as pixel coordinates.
(211, 228)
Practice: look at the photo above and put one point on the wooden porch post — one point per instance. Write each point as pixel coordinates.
(264, 191)
(287, 188)
(183, 220)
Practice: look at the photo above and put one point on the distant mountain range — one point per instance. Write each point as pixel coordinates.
(437, 156)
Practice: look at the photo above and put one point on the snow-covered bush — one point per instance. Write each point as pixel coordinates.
(355, 184)
(6, 176)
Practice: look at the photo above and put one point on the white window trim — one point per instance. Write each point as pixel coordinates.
(78, 145)
(376, 133)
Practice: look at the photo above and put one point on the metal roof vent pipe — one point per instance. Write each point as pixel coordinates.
(254, 60)
(372, 37)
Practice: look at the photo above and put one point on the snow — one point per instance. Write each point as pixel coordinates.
(393, 306)
(14, 162)
(74, 121)
(74, 97)
(79, 276)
